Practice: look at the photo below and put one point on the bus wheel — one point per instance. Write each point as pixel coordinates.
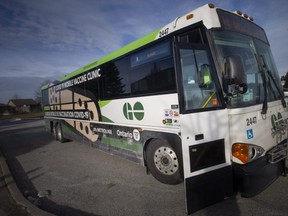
(59, 134)
(163, 162)
(54, 131)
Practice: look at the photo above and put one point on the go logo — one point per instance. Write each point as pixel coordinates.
(137, 111)
(277, 120)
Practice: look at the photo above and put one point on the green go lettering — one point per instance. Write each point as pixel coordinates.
(137, 111)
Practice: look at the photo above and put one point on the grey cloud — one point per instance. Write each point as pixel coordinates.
(24, 87)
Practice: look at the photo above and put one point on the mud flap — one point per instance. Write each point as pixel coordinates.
(208, 188)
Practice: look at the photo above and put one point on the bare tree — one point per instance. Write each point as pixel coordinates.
(16, 96)
(285, 79)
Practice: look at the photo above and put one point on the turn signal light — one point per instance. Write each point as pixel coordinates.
(241, 151)
(246, 152)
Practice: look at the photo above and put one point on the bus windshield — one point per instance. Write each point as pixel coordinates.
(256, 69)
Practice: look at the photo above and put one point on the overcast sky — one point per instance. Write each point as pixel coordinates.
(43, 40)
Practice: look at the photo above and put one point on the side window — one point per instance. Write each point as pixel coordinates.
(148, 71)
(45, 97)
(116, 79)
(153, 77)
(192, 36)
(199, 90)
(152, 70)
(92, 89)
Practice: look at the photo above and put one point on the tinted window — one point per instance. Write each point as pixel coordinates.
(116, 78)
(151, 54)
(153, 77)
(148, 71)
(193, 36)
(234, 22)
(45, 97)
(92, 89)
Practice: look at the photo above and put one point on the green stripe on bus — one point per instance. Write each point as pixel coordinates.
(46, 108)
(122, 51)
(104, 103)
(105, 119)
(135, 147)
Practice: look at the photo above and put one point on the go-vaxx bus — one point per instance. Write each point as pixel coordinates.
(198, 100)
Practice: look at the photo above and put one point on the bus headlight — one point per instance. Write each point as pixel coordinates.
(246, 152)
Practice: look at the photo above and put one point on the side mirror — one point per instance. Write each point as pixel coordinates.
(233, 74)
(233, 70)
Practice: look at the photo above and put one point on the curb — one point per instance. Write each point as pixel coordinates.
(15, 192)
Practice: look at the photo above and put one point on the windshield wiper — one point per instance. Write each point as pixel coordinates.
(264, 69)
(274, 82)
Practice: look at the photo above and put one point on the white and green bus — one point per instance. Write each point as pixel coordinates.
(198, 101)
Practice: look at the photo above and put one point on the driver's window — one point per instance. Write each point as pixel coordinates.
(198, 87)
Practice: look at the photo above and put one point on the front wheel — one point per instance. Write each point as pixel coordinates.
(163, 162)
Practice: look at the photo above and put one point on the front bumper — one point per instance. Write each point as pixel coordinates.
(252, 178)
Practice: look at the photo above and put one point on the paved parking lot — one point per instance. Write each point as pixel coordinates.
(77, 179)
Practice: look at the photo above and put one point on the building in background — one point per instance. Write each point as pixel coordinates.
(24, 105)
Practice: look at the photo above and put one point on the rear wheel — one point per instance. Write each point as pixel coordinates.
(54, 132)
(163, 162)
(59, 134)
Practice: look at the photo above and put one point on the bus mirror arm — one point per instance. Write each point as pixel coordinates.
(239, 89)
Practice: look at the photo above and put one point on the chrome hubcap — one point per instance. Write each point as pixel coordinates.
(166, 161)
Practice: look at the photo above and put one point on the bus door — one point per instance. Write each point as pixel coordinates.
(204, 129)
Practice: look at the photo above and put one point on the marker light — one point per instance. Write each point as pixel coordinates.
(239, 13)
(251, 18)
(214, 102)
(246, 152)
(210, 5)
(189, 16)
(244, 15)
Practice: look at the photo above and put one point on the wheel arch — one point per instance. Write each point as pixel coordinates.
(51, 126)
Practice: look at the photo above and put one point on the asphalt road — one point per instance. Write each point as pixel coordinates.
(77, 179)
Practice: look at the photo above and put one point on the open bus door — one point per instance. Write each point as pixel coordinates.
(204, 130)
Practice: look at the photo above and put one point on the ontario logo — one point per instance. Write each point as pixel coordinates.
(133, 112)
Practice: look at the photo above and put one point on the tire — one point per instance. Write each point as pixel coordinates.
(163, 162)
(59, 134)
(54, 132)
